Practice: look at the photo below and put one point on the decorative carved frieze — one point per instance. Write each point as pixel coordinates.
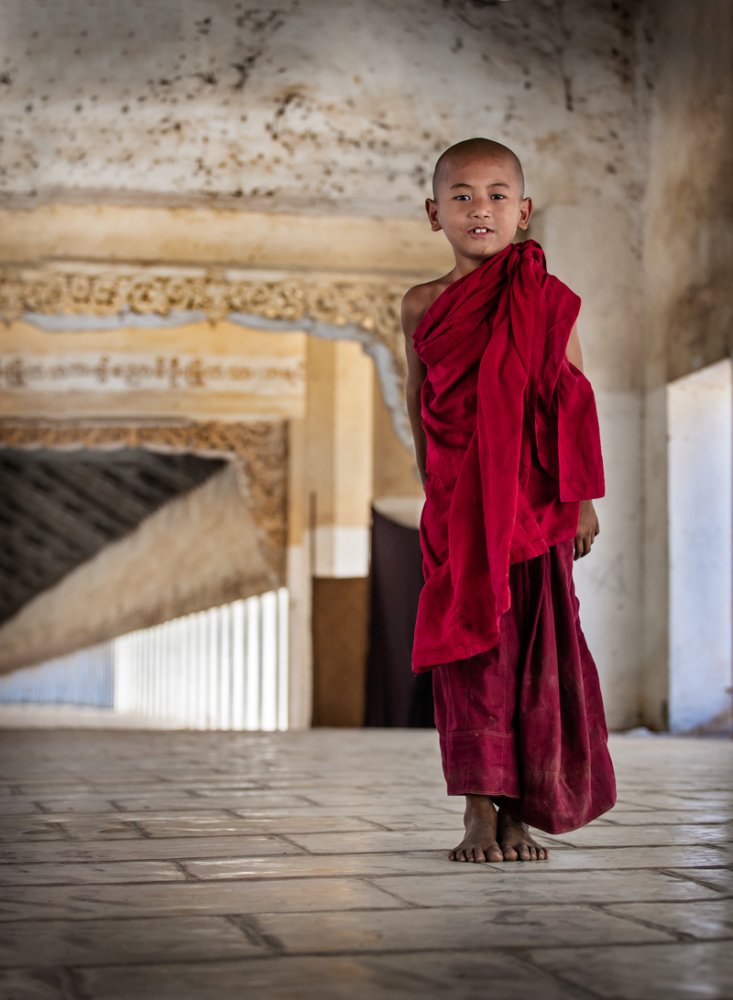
(258, 451)
(372, 306)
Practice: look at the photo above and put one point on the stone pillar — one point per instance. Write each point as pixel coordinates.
(298, 571)
(339, 471)
(339, 419)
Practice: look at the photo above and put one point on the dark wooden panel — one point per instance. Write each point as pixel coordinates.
(339, 650)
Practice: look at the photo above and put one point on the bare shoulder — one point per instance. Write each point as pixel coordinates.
(418, 299)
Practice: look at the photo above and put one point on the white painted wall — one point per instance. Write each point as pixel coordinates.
(700, 415)
(581, 247)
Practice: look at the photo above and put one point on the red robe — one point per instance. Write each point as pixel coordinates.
(513, 446)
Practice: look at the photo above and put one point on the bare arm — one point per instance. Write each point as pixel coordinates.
(573, 351)
(588, 526)
(412, 309)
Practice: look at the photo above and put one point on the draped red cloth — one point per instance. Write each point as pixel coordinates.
(512, 444)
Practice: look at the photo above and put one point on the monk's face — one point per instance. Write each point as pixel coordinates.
(479, 206)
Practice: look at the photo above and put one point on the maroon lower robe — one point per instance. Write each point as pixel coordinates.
(513, 446)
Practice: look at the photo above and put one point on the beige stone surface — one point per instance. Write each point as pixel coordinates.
(166, 372)
(311, 108)
(698, 970)
(314, 864)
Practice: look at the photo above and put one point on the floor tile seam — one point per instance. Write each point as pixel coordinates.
(411, 907)
(130, 824)
(100, 818)
(179, 866)
(701, 804)
(651, 925)
(356, 912)
(179, 836)
(522, 954)
(514, 951)
(143, 918)
(682, 876)
(73, 985)
(249, 925)
(719, 845)
(97, 885)
(40, 807)
(671, 934)
(524, 960)
(614, 823)
(237, 810)
(404, 904)
(90, 842)
(71, 919)
(300, 848)
(372, 822)
(214, 881)
(485, 866)
(549, 844)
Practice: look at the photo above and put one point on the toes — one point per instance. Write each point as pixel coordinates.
(524, 852)
(495, 853)
(509, 853)
(478, 855)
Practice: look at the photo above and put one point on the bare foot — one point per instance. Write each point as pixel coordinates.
(516, 842)
(480, 843)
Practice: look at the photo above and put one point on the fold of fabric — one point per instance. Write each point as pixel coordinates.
(523, 722)
(512, 444)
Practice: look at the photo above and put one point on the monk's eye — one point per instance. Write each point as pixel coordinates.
(498, 195)
(461, 197)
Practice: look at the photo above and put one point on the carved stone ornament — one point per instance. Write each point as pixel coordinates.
(370, 306)
(258, 452)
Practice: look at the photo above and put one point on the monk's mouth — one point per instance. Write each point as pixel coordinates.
(480, 231)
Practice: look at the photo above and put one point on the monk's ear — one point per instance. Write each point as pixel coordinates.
(525, 213)
(431, 208)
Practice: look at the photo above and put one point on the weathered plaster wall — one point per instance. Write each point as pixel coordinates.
(329, 105)
(689, 202)
(608, 580)
(196, 552)
(688, 261)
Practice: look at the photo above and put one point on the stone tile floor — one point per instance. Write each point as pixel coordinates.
(177, 865)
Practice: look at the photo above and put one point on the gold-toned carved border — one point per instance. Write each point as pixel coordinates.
(258, 452)
(371, 306)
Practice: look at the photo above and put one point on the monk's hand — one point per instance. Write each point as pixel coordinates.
(588, 528)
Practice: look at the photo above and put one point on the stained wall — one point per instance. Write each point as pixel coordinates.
(325, 106)
(686, 108)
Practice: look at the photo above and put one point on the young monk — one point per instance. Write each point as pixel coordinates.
(508, 448)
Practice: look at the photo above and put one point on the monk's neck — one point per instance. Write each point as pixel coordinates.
(467, 265)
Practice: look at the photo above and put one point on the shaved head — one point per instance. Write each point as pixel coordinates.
(470, 148)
